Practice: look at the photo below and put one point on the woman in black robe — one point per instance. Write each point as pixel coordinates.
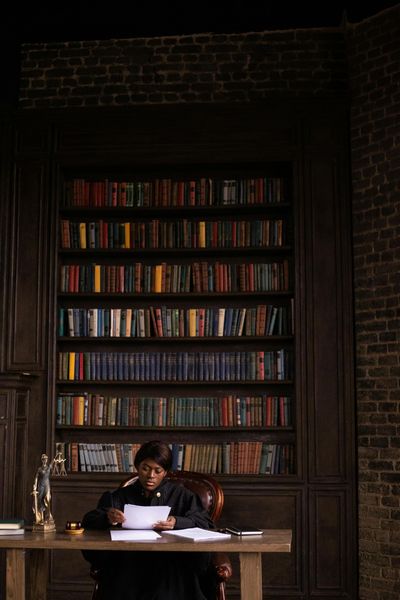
(155, 575)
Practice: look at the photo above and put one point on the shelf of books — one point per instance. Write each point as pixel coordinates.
(175, 320)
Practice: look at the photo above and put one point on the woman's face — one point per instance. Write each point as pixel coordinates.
(150, 474)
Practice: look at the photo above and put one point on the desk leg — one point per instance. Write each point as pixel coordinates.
(15, 574)
(250, 576)
(38, 563)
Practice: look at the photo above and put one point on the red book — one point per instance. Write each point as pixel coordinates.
(224, 411)
(201, 313)
(204, 276)
(268, 411)
(196, 277)
(192, 193)
(76, 271)
(81, 367)
(157, 192)
(203, 192)
(250, 268)
(74, 462)
(260, 366)
(158, 316)
(114, 193)
(122, 193)
(121, 278)
(181, 193)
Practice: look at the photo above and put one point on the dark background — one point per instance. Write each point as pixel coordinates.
(38, 21)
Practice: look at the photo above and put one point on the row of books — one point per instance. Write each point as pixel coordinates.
(258, 458)
(274, 365)
(172, 234)
(193, 411)
(166, 192)
(163, 321)
(175, 278)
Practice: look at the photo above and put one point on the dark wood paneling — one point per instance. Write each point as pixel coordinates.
(30, 257)
(5, 228)
(14, 414)
(324, 344)
(331, 565)
(174, 135)
(4, 460)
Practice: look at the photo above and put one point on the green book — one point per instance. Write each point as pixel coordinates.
(11, 523)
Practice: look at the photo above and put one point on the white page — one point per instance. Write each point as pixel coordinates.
(133, 535)
(197, 534)
(144, 517)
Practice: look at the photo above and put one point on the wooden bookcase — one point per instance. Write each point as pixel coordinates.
(305, 148)
(183, 287)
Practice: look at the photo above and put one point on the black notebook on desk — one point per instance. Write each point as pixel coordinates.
(244, 530)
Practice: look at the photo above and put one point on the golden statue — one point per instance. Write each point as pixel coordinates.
(41, 491)
(58, 462)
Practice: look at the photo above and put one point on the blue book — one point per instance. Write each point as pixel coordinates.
(123, 323)
(119, 366)
(228, 322)
(185, 366)
(131, 366)
(203, 370)
(179, 366)
(163, 371)
(106, 327)
(175, 450)
(141, 367)
(62, 322)
(137, 366)
(153, 374)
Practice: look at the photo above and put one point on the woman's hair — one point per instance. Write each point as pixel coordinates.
(157, 451)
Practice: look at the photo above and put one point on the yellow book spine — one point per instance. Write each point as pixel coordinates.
(158, 278)
(202, 234)
(127, 229)
(81, 410)
(192, 322)
(97, 278)
(82, 235)
(71, 366)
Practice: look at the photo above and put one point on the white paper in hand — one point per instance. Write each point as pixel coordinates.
(144, 517)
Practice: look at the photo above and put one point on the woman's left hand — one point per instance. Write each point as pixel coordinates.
(165, 525)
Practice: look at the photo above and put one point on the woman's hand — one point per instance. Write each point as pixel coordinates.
(115, 516)
(165, 525)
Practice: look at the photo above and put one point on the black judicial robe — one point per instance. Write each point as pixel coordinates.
(153, 575)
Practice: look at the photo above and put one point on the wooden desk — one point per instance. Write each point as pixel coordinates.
(249, 548)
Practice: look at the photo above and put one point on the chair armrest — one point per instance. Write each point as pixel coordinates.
(222, 566)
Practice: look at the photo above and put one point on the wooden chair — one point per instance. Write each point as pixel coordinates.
(212, 498)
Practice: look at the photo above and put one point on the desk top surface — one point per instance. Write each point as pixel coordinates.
(272, 540)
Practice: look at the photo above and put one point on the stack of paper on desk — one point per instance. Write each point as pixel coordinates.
(196, 534)
(133, 535)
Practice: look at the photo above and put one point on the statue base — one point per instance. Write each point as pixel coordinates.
(44, 527)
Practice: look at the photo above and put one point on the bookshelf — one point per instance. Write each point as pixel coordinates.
(175, 309)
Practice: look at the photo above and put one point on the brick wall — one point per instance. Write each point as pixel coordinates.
(374, 69)
(196, 68)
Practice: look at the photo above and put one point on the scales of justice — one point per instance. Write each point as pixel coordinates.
(41, 492)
